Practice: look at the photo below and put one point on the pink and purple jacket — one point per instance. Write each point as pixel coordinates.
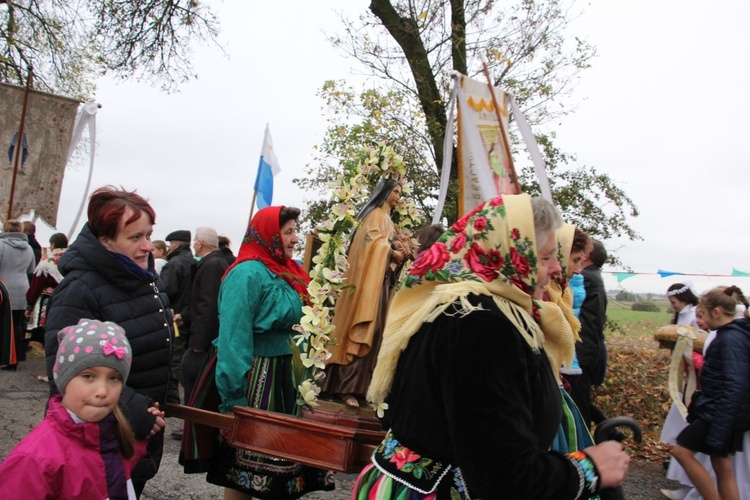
(60, 459)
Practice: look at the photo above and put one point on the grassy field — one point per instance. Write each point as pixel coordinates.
(637, 374)
(623, 320)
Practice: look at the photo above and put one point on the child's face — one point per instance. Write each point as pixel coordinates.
(93, 393)
(700, 320)
(714, 319)
(576, 263)
(676, 304)
(158, 252)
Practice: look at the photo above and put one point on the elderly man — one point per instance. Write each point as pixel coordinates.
(203, 310)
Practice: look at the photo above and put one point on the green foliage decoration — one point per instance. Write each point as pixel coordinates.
(350, 189)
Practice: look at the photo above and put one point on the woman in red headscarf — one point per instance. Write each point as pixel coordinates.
(260, 299)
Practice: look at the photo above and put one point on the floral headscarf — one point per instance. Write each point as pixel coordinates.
(558, 291)
(263, 242)
(490, 251)
(564, 246)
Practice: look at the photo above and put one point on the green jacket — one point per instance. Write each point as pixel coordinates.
(257, 310)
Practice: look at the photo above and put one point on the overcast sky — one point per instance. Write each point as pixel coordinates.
(663, 111)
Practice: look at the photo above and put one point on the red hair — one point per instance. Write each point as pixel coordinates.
(107, 207)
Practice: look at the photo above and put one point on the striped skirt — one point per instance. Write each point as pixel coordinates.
(398, 473)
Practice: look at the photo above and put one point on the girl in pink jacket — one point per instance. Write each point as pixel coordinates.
(85, 447)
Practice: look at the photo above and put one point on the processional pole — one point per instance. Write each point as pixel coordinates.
(19, 142)
(504, 137)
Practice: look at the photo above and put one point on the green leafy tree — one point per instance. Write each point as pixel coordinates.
(68, 44)
(389, 116)
(411, 45)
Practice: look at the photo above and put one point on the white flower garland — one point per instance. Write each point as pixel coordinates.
(349, 190)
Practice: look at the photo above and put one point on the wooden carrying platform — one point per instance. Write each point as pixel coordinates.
(334, 437)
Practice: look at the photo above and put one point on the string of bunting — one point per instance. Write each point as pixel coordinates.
(621, 276)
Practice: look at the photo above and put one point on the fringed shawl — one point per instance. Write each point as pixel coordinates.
(490, 251)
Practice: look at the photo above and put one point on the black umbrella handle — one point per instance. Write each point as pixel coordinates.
(607, 431)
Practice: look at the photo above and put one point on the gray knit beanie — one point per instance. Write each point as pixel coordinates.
(91, 343)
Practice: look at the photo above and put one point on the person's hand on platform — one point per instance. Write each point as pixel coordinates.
(611, 462)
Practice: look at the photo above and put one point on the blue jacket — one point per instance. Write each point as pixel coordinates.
(579, 293)
(724, 401)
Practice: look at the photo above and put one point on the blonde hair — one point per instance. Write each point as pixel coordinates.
(726, 298)
(12, 226)
(159, 245)
(125, 434)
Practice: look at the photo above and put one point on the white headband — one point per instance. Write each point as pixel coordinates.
(684, 289)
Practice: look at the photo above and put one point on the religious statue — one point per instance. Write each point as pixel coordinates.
(376, 254)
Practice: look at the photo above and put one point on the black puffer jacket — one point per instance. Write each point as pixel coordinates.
(177, 275)
(203, 313)
(724, 401)
(97, 285)
(592, 350)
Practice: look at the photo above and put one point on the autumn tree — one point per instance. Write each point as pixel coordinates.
(69, 44)
(410, 46)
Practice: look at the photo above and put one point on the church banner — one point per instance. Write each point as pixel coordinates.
(42, 151)
(485, 165)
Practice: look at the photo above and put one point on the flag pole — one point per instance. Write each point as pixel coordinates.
(19, 143)
(511, 167)
(252, 206)
(257, 174)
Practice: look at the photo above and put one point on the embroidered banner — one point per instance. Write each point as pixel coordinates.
(43, 151)
(484, 162)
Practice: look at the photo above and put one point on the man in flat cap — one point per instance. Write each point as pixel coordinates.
(177, 274)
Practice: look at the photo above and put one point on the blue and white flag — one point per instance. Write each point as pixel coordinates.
(268, 167)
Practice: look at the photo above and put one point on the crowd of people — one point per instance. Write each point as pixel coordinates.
(483, 342)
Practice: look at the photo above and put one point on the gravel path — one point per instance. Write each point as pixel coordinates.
(22, 402)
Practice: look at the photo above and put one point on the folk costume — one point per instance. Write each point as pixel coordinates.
(44, 281)
(362, 307)
(573, 433)
(473, 402)
(260, 299)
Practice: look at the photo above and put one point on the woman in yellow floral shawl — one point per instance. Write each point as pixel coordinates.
(473, 405)
(571, 249)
